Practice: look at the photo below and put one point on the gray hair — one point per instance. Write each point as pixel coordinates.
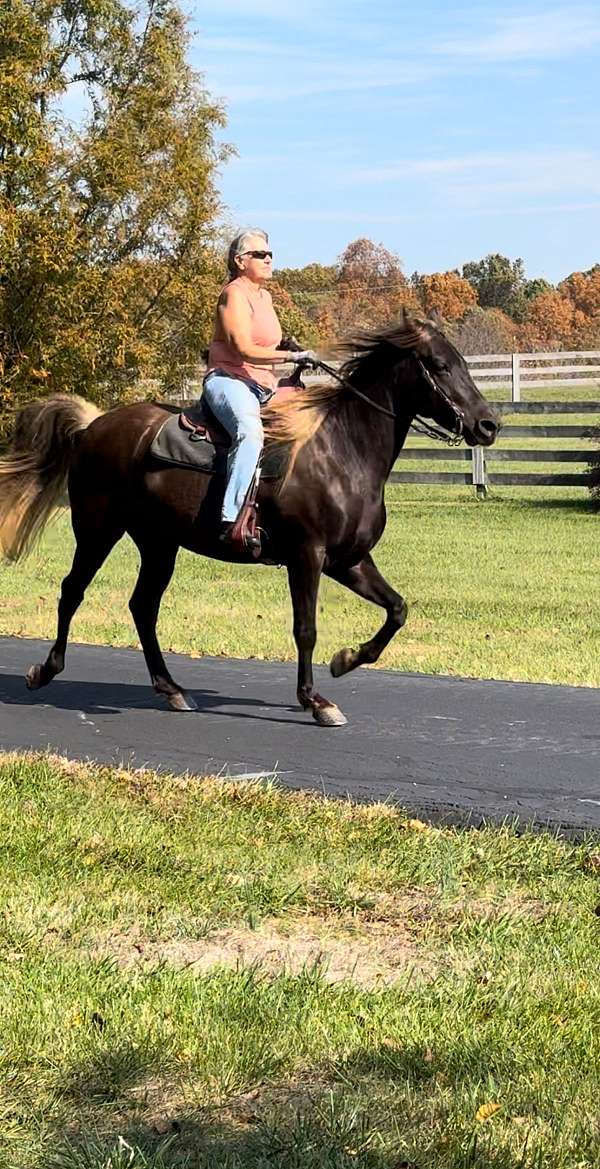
(238, 245)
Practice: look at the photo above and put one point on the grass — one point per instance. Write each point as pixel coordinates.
(504, 589)
(119, 1049)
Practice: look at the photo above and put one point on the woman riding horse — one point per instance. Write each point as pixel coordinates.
(323, 515)
(244, 351)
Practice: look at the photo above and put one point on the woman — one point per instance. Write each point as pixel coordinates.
(241, 361)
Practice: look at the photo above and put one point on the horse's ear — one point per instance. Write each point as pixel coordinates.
(436, 318)
(410, 331)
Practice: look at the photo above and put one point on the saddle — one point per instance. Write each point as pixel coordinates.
(194, 439)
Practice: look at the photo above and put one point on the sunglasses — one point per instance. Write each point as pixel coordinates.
(259, 255)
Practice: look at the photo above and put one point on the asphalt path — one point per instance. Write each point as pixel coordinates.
(448, 749)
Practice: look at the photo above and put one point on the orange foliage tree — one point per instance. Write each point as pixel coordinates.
(552, 321)
(447, 292)
(583, 288)
(371, 288)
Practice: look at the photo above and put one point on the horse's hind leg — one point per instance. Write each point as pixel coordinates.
(366, 581)
(93, 546)
(156, 570)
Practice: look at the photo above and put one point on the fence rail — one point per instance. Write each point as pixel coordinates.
(522, 371)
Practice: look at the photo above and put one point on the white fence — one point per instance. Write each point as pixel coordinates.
(517, 373)
(523, 371)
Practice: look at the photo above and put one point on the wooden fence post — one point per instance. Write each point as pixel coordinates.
(478, 471)
(516, 377)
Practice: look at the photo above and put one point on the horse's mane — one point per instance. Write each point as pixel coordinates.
(290, 420)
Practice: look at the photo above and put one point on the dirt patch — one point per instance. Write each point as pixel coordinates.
(369, 958)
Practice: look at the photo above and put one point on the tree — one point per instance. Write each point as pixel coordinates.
(371, 287)
(109, 254)
(498, 283)
(310, 290)
(552, 321)
(583, 289)
(293, 320)
(485, 331)
(447, 292)
(533, 288)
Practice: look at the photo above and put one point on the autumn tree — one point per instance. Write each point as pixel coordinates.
(553, 321)
(294, 322)
(109, 255)
(447, 292)
(583, 289)
(371, 288)
(310, 290)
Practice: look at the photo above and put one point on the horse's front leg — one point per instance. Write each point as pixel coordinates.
(366, 581)
(304, 574)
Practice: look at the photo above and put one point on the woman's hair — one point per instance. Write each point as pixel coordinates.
(238, 245)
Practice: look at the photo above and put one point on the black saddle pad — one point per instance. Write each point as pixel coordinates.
(177, 445)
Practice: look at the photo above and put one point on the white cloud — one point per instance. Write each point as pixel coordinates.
(538, 36)
(518, 172)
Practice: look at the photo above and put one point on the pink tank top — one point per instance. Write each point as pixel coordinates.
(264, 330)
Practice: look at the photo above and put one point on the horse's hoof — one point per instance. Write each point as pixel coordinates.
(33, 677)
(342, 662)
(181, 701)
(329, 716)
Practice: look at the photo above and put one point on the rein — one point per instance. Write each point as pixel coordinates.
(422, 427)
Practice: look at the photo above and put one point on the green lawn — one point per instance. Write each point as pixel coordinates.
(502, 589)
(221, 976)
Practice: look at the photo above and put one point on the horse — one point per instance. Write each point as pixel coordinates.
(324, 514)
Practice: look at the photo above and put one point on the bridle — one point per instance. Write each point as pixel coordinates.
(451, 438)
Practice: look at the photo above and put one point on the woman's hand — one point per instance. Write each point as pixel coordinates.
(306, 356)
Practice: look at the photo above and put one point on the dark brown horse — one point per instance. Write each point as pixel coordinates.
(328, 513)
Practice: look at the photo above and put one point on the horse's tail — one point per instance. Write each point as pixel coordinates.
(33, 473)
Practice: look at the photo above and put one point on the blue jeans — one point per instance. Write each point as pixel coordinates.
(236, 405)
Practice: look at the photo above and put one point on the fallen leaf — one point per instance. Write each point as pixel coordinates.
(487, 1110)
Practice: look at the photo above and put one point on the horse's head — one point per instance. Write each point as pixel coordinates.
(444, 389)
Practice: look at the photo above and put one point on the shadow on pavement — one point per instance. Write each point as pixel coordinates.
(116, 697)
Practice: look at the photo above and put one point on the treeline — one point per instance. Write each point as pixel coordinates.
(111, 253)
(490, 306)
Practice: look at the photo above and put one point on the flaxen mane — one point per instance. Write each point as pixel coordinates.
(290, 420)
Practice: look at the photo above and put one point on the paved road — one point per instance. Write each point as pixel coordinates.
(449, 749)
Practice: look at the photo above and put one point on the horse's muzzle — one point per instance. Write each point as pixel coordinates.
(485, 430)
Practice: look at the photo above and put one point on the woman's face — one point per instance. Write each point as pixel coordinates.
(256, 268)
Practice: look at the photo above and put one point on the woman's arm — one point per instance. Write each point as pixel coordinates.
(235, 320)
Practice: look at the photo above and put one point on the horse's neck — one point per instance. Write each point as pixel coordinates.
(376, 438)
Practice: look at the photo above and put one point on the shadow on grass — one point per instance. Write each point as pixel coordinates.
(306, 1141)
(574, 506)
(376, 1110)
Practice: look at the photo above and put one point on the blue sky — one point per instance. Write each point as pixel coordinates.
(444, 133)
